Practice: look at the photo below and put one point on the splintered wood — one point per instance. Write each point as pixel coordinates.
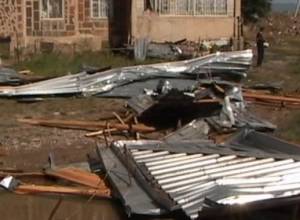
(89, 184)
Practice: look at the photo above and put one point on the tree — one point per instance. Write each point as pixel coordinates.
(252, 10)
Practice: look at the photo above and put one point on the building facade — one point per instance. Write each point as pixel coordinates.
(173, 20)
(76, 25)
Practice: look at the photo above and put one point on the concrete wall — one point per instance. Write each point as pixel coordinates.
(176, 28)
(162, 28)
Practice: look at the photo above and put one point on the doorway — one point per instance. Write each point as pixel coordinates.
(120, 23)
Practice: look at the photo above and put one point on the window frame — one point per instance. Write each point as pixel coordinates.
(191, 12)
(49, 18)
(99, 10)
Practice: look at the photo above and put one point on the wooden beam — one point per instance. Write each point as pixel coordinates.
(86, 125)
(83, 191)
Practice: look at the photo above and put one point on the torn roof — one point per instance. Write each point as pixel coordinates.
(197, 177)
(219, 64)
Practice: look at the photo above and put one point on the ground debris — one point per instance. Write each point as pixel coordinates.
(85, 125)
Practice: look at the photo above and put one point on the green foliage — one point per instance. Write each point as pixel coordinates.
(252, 10)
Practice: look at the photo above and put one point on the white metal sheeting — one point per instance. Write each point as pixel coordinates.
(101, 82)
(190, 178)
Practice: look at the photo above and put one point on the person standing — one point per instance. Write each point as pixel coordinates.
(260, 40)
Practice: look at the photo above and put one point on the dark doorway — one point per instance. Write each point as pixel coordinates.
(5, 47)
(120, 23)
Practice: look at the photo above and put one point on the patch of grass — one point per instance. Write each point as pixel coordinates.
(282, 64)
(4, 50)
(291, 129)
(289, 47)
(286, 51)
(55, 64)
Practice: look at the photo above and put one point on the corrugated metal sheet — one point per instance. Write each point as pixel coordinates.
(230, 63)
(191, 178)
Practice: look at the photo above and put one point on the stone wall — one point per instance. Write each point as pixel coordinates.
(11, 23)
(77, 29)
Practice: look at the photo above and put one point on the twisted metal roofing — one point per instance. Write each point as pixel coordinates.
(191, 179)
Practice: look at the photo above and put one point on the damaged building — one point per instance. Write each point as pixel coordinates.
(76, 25)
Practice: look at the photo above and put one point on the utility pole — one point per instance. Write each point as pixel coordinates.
(298, 8)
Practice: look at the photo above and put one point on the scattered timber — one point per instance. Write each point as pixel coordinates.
(78, 176)
(83, 191)
(90, 126)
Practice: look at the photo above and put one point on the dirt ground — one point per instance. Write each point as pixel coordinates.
(27, 147)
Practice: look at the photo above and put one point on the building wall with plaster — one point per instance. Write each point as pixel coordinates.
(160, 28)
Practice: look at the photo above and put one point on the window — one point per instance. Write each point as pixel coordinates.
(99, 8)
(52, 9)
(191, 7)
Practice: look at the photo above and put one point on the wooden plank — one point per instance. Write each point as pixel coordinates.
(85, 125)
(36, 189)
(96, 133)
(119, 118)
(78, 176)
(271, 98)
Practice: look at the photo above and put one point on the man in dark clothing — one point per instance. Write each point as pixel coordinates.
(260, 46)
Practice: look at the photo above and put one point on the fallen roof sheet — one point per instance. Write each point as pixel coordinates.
(257, 141)
(198, 178)
(100, 82)
(133, 197)
(195, 130)
(9, 76)
(140, 87)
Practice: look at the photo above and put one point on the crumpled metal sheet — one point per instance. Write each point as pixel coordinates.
(199, 179)
(248, 139)
(131, 194)
(140, 87)
(195, 130)
(101, 82)
(9, 76)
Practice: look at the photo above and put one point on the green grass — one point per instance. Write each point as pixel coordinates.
(290, 129)
(282, 63)
(55, 64)
(4, 50)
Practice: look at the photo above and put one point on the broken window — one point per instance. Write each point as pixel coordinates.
(100, 8)
(52, 9)
(149, 4)
(190, 7)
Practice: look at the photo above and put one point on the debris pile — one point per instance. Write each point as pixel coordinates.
(171, 160)
(9, 77)
(201, 178)
(233, 65)
(78, 182)
(181, 49)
